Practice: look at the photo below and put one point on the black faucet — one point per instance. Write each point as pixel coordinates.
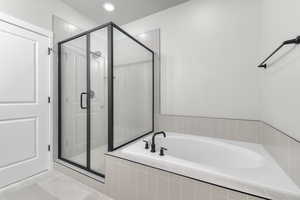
(153, 140)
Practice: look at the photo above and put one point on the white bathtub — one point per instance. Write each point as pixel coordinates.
(240, 166)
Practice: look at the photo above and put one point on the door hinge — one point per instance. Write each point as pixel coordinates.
(49, 50)
(49, 147)
(49, 99)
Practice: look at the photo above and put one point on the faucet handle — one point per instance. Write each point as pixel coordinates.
(162, 151)
(146, 144)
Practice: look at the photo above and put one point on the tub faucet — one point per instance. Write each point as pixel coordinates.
(153, 140)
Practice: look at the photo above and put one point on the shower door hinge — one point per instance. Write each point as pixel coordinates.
(49, 50)
(49, 147)
(49, 99)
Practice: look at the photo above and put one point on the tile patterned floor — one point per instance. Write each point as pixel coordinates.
(52, 185)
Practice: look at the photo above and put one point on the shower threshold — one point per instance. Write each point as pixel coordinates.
(74, 171)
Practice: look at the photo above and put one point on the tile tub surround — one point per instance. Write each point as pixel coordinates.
(231, 129)
(285, 150)
(243, 166)
(130, 181)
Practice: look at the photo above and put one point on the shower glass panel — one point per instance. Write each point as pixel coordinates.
(74, 101)
(133, 89)
(98, 99)
(105, 95)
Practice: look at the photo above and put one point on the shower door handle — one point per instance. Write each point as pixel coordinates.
(81, 100)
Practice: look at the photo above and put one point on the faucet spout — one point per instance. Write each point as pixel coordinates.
(153, 140)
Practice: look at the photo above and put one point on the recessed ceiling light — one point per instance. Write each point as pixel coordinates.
(71, 27)
(143, 36)
(109, 7)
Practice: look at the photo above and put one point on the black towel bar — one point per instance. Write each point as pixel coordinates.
(287, 42)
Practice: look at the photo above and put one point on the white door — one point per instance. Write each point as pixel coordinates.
(24, 110)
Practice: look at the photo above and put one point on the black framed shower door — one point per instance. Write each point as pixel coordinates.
(87, 94)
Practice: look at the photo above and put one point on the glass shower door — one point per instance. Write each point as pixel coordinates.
(74, 102)
(83, 101)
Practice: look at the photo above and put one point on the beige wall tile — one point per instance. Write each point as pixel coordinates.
(254, 198)
(187, 189)
(163, 182)
(203, 191)
(147, 183)
(232, 195)
(219, 193)
(143, 189)
(284, 150)
(278, 146)
(175, 187)
(241, 130)
(295, 161)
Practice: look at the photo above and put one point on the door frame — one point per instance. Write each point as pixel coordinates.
(49, 35)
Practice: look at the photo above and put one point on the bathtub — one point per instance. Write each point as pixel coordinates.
(240, 166)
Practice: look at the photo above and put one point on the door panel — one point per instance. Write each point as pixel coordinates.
(22, 69)
(24, 110)
(24, 147)
(83, 101)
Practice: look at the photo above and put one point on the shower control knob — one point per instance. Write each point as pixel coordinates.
(146, 144)
(162, 151)
(92, 94)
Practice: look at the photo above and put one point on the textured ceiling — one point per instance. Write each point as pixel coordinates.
(125, 10)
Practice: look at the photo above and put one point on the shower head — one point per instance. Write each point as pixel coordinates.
(96, 54)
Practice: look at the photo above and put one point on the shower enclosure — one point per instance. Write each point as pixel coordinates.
(106, 95)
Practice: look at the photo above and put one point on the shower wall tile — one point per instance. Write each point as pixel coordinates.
(241, 130)
(136, 182)
(284, 150)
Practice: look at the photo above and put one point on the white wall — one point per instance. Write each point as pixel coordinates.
(281, 82)
(39, 12)
(209, 50)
